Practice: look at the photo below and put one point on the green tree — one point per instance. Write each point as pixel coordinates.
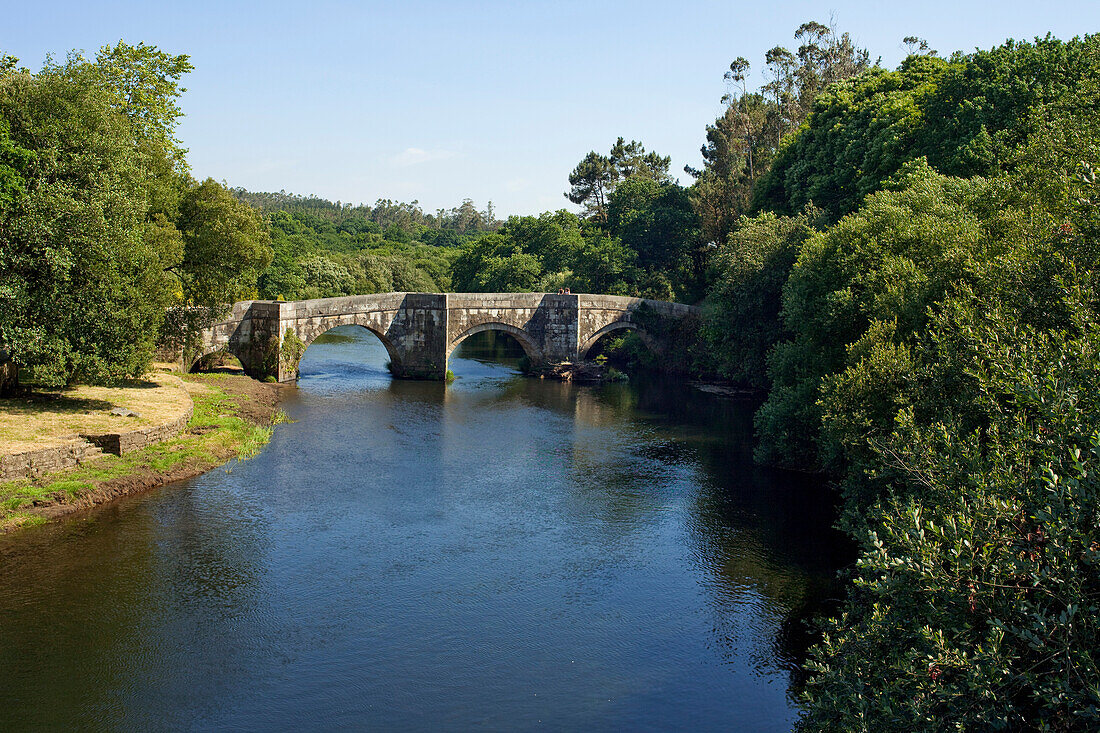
(741, 324)
(742, 143)
(324, 278)
(658, 222)
(144, 84)
(975, 602)
(226, 246)
(82, 255)
(604, 265)
(876, 271)
(13, 163)
(595, 177)
(630, 160)
(967, 115)
(525, 254)
(590, 183)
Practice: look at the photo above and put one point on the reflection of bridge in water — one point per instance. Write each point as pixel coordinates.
(421, 330)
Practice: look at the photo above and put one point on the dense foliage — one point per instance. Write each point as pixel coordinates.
(324, 249)
(644, 244)
(321, 257)
(927, 335)
(93, 186)
(966, 115)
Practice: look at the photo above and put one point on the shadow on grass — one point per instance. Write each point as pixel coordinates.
(38, 402)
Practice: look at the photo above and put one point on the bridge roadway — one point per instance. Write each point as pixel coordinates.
(421, 330)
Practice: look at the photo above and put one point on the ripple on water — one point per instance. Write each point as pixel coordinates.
(499, 552)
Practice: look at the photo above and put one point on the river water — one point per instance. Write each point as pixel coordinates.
(500, 553)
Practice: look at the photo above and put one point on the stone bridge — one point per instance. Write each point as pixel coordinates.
(421, 330)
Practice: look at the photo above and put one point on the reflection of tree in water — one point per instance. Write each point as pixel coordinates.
(68, 594)
(87, 599)
(768, 534)
(763, 537)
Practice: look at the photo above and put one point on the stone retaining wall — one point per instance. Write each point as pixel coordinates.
(45, 460)
(122, 443)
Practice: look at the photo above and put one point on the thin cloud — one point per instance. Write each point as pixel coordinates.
(417, 156)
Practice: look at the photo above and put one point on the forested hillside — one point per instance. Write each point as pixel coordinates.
(324, 249)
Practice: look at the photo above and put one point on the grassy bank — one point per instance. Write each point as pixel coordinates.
(233, 418)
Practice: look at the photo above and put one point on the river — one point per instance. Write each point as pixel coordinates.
(501, 553)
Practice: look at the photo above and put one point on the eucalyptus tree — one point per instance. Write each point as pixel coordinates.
(744, 140)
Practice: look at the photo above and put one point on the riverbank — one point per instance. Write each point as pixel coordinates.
(232, 418)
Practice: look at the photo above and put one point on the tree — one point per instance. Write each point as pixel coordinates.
(976, 597)
(630, 160)
(226, 246)
(523, 255)
(595, 177)
(657, 221)
(918, 46)
(82, 253)
(144, 84)
(781, 91)
(873, 275)
(324, 278)
(741, 322)
(604, 265)
(744, 140)
(968, 116)
(590, 183)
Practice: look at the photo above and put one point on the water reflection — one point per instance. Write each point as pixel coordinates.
(503, 552)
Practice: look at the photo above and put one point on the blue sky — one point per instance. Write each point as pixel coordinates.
(439, 101)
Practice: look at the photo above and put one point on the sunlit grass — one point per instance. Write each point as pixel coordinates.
(40, 419)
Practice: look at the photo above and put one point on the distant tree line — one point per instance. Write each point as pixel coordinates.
(462, 220)
(320, 256)
(324, 249)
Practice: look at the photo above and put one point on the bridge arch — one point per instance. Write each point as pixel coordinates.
(327, 325)
(205, 360)
(648, 340)
(530, 348)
